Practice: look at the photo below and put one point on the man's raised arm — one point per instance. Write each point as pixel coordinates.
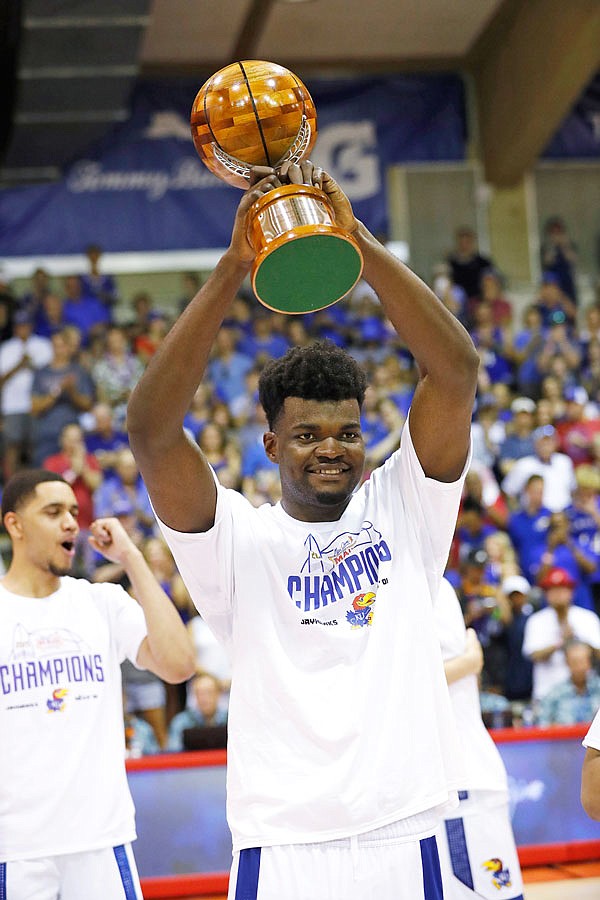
(176, 474)
(440, 417)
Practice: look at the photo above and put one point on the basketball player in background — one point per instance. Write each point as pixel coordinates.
(590, 775)
(66, 814)
(477, 848)
(342, 748)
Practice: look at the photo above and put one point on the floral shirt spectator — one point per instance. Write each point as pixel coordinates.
(116, 373)
(565, 705)
(140, 739)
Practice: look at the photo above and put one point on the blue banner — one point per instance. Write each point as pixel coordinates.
(143, 187)
(579, 135)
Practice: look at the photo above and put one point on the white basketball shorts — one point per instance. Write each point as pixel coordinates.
(379, 865)
(107, 874)
(478, 855)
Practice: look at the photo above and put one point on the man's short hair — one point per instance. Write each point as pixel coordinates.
(22, 486)
(533, 479)
(470, 504)
(320, 371)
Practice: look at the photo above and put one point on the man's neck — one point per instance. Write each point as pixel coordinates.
(28, 582)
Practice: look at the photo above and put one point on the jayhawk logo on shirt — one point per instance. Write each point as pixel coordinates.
(56, 703)
(501, 875)
(361, 613)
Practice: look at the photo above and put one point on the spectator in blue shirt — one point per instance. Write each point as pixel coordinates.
(564, 552)
(199, 412)
(526, 347)
(559, 256)
(519, 434)
(60, 393)
(528, 527)
(560, 356)
(472, 528)
(49, 316)
(104, 440)
(372, 427)
(96, 283)
(84, 311)
(584, 518)
(552, 299)
(40, 286)
(487, 431)
(263, 342)
(228, 367)
(126, 491)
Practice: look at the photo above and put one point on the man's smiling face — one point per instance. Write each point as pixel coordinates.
(320, 451)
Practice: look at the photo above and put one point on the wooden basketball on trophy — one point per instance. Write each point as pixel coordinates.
(252, 113)
(256, 113)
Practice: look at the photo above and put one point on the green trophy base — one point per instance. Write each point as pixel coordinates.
(306, 273)
(304, 260)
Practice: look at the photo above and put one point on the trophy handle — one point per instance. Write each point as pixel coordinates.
(304, 261)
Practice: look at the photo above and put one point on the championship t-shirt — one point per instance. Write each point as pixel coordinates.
(339, 716)
(483, 766)
(592, 738)
(62, 753)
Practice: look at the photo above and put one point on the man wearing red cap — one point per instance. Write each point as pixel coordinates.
(547, 631)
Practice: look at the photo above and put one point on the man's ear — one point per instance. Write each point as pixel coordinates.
(12, 523)
(270, 445)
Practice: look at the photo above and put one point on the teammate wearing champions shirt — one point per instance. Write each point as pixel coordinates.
(66, 814)
(590, 775)
(477, 847)
(342, 747)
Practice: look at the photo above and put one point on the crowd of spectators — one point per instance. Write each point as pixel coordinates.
(525, 559)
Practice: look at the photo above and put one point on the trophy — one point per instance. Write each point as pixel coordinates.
(255, 113)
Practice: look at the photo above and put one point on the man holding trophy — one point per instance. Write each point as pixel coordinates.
(342, 755)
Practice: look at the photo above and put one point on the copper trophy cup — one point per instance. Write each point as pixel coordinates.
(255, 113)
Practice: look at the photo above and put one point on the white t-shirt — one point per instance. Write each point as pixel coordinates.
(210, 653)
(558, 475)
(62, 753)
(542, 630)
(592, 738)
(16, 393)
(339, 716)
(484, 769)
